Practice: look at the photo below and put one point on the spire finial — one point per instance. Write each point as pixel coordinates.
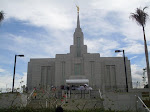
(78, 21)
(77, 8)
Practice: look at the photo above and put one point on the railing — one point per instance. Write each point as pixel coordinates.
(81, 94)
(29, 98)
(8, 90)
(143, 103)
(46, 103)
(138, 85)
(100, 94)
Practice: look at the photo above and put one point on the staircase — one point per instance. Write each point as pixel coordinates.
(67, 99)
(40, 100)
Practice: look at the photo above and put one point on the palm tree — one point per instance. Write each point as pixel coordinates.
(140, 17)
(1, 16)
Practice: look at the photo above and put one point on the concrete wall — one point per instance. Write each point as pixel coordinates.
(93, 67)
(8, 100)
(122, 101)
(120, 77)
(35, 71)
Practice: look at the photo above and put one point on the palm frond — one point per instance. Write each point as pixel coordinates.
(140, 16)
(1, 15)
(145, 8)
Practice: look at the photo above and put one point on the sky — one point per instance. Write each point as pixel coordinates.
(44, 28)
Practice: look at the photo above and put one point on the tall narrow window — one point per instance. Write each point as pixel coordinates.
(113, 76)
(107, 76)
(43, 76)
(63, 71)
(77, 69)
(78, 47)
(92, 71)
(49, 77)
(45, 73)
(110, 76)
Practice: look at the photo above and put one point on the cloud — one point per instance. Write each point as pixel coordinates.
(45, 13)
(98, 17)
(137, 76)
(100, 21)
(6, 79)
(101, 45)
(134, 48)
(21, 78)
(2, 70)
(133, 57)
(119, 12)
(137, 73)
(30, 47)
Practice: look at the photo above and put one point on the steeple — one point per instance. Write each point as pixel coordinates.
(78, 20)
(78, 48)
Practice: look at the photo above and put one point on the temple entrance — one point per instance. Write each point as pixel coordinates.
(77, 81)
(78, 84)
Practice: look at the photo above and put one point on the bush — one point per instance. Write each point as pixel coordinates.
(27, 109)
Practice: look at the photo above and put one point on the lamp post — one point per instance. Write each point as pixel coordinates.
(14, 71)
(116, 51)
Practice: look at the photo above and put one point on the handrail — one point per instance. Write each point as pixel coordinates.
(46, 103)
(31, 94)
(47, 93)
(100, 94)
(143, 104)
(28, 98)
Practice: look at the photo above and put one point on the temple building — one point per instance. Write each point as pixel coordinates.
(79, 67)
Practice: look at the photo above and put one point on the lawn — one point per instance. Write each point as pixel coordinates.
(53, 110)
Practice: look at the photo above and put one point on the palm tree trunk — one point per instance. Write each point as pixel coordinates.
(147, 58)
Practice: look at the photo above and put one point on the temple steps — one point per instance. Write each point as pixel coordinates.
(67, 99)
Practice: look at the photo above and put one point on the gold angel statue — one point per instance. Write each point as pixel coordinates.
(77, 8)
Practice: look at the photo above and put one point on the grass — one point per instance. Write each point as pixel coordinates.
(13, 109)
(27, 110)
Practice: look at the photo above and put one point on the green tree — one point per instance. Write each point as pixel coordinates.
(141, 17)
(1, 16)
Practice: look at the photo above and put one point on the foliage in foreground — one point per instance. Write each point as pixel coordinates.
(53, 110)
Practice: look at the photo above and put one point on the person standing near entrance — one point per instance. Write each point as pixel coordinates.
(35, 93)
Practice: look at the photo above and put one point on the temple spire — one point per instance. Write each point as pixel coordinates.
(78, 21)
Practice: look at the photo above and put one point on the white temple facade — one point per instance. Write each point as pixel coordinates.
(79, 67)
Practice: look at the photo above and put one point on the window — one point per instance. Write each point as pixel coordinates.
(78, 41)
(107, 76)
(77, 69)
(78, 47)
(110, 76)
(63, 71)
(92, 71)
(45, 76)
